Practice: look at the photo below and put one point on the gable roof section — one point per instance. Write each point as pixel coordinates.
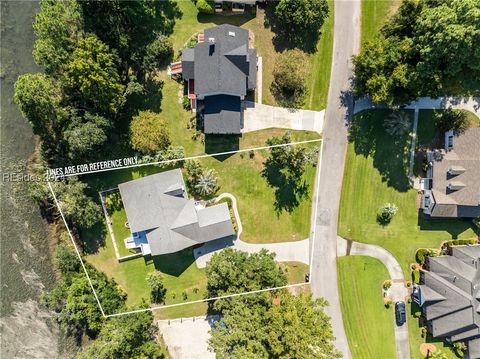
(451, 294)
(222, 114)
(159, 206)
(222, 64)
(465, 155)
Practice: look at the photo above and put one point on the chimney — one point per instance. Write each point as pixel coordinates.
(211, 46)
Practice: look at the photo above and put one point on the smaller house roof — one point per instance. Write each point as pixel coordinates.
(222, 114)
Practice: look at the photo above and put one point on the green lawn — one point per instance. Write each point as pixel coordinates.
(374, 14)
(369, 325)
(376, 173)
(295, 271)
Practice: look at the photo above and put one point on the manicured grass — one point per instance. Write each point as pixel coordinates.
(369, 325)
(374, 15)
(180, 275)
(321, 64)
(376, 173)
(295, 271)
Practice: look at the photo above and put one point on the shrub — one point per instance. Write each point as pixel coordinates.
(387, 284)
(289, 78)
(449, 119)
(423, 332)
(460, 348)
(408, 283)
(416, 276)
(206, 6)
(186, 103)
(417, 314)
(157, 289)
(388, 302)
(159, 53)
(386, 213)
(149, 132)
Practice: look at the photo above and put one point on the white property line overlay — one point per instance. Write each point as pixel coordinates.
(199, 300)
(192, 158)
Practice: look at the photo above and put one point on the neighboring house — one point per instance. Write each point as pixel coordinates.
(449, 295)
(164, 220)
(220, 70)
(452, 186)
(235, 5)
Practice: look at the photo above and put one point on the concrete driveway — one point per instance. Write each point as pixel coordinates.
(257, 116)
(398, 291)
(177, 332)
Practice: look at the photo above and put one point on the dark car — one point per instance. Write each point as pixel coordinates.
(400, 314)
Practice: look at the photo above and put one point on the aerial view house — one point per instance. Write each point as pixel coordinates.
(164, 220)
(219, 71)
(449, 295)
(452, 186)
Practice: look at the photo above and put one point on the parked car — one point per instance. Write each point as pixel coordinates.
(400, 313)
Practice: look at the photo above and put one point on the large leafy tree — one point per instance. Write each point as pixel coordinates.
(58, 27)
(157, 288)
(294, 327)
(232, 271)
(299, 18)
(149, 133)
(92, 73)
(85, 135)
(38, 97)
(427, 49)
(124, 337)
(76, 206)
(129, 26)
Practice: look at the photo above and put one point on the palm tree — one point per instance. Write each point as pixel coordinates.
(397, 124)
(207, 183)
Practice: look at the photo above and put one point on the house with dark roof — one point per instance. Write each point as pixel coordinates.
(164, 220)
(449, 297)
(220, 70)
(453, 177)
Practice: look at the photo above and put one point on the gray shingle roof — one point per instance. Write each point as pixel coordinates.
(465, 155)
(222, 114)
(450, 294)
(159, 206)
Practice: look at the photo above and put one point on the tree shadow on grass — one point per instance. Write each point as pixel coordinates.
(172, 264)
(389, 153)
(93, 238)
(237, 20)
(222, 143)
(288, 193)
(284, 38)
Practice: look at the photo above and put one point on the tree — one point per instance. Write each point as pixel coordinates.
(124, 337)
(76, 206)
(386, 213)
(149, 133)
(85, 135)
(231, 271)
(296, 328)
(206, 6)
(58, 27)
(298, 18)
(427, 49)
(207, 185)
(450, 119)
(92, 72)
(289, 77)
(157, 289)
(397, 124)
(66, 260)
(38, 97)
(130, 26)
(158, 53)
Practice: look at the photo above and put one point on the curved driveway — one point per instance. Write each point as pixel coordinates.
(398, 290)
(331, 164)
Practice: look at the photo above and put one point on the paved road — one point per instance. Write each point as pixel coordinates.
(331, 165)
